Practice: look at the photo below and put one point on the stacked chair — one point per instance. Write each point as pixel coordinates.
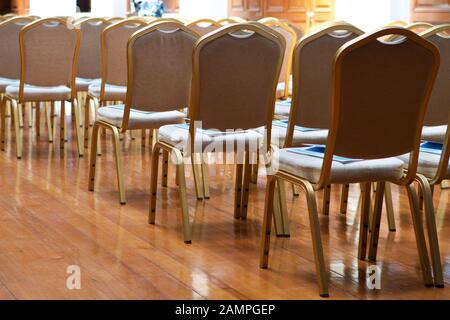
(203, 26)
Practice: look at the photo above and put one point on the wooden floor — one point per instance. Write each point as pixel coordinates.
(49, 220)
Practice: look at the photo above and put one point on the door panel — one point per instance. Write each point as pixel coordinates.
(434, 11)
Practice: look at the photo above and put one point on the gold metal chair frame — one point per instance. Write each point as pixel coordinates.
(242, 170)
(124, 127)
(205, 21)
(324, 179)
(15, 103)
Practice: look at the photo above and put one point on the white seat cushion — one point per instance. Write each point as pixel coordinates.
(434, 133)
(112, 92)
(300, 137)
(428, 164)
(281, 86)
(139, 119)
(283, 108)
(177, 135)
(4, 82)
(38, 93)
(309, 167)
(83, 84)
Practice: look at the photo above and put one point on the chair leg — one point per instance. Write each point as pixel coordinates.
(344, 198)
(165, 168)
(245, 185)
(205, 175)
(78, 126)
(326, 200)
(38, 117)
(119, 163)
(183, 196)
(196, 169)
(389, 207)
(364, 222)
(238, 186)
(294, 191)
(255, 168)
(20, 114)
(420, 237)
(93, 156)
(316, 240)
(433, 241)
(374, 230)
(29, 107)
(154, 183)
(49, 121)
(18, 129)
(3, 122)
(143, 137)
(280, 210)
(87, 111)
(62, 136)
(267, 222)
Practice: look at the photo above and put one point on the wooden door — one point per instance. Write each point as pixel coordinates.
(20, 7)
(434, 11)
(247, 9)
(171, 6)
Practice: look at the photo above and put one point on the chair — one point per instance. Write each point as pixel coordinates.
(10, 53)
(375, 85)
(418, 27)
(243, 61)
(90, 58)
(268, 19)
(227, 21)
(115, 19)
(284, 87)
(396, 23)
(159, 76)
(203, 26)
(298, 31)
(48, 52)
(112, 87)
(313, 60)
(434, 167)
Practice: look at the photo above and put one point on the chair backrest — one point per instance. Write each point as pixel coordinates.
(439, 106)
(114, 52)
(49, 51)
(226, 21)
(159, 68)
(380, 95)
(418, 27)
(204, 26)
(9, 46)
(115, 19)
(298, 30)
(313, 61)
(396, 23)
(235, 73)
(90, 57)
(291, 39)
(268, 19)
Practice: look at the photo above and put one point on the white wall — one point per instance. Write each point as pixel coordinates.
(47, 8)
(195, 9)
(109, 8)
(371, 14)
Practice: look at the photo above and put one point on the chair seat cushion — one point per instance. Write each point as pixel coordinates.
(310, 167)
(428, 164)
(177, 135)
(4, 82)
(39, 93)
(112, 92)
(83, 84)
(283, 108)
(299, 138)
(139, 119)
(281, 87)
(434, 133)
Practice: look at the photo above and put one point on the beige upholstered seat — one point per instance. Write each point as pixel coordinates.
(159, 71)
(4, 82)
(310, 168)
(236, 70)
(373, 83)
(36, 93)
(112, 92)
(139, 119)
(428, 164)
(434, 133)
(203, 26)
(84, 83)
(49, 51)
(177, 135)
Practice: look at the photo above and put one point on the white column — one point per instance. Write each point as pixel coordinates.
(49, 8)
(196, 9)
(109, 8)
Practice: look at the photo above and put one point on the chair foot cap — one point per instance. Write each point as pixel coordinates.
(123, 203)
(392, 230)
(206, 198)
(283, 235)
(324, 295)
(429, 285)
(188, 241)
(199, 199)
(440, 286)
